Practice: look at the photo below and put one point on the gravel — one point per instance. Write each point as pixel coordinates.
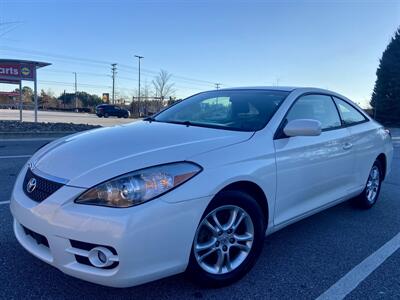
(31, 127)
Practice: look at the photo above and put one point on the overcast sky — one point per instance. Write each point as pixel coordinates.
(328, 44)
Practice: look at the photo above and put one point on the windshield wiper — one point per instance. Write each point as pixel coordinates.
(150, 119)
(187, 123)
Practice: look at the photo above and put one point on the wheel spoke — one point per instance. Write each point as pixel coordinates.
(211, 227)
(228, 261)
(216, 221)
(243, 237)
(232, 219)
(220, 261)
(203, 256)
(242, 247)
(238, 221)
(374, 174)
(205, 246)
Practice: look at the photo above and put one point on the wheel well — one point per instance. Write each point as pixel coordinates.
(382, 159)
(253, 190)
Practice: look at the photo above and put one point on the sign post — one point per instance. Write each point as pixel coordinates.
(35, 95)
(20, 101)
(14, 71)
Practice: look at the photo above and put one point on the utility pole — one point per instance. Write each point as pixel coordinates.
(113, 70)
(76, 92)
(139, 58)
(217, 85)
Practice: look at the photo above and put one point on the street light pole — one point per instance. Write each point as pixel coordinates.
(76, 91)
(113, 70)
(139, 58)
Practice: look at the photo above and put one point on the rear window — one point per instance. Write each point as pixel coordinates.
(349, 114)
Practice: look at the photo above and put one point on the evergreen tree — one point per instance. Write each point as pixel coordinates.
(386, 95)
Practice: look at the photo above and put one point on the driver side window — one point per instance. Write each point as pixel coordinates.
(316, 107)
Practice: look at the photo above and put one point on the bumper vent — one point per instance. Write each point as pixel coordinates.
(38, 188)
(40, 239)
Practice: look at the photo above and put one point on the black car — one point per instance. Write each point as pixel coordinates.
(107, 110)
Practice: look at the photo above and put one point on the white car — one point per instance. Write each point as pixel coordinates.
(198, 186)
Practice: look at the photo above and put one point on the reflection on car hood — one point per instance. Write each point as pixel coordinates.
(91, 157)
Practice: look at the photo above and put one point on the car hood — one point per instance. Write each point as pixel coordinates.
(88, 158)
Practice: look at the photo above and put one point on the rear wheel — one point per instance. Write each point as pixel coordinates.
(228, 240)
(370, 194)
(105, 115)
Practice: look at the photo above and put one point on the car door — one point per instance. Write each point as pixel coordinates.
(312, 171)
(363, 138)
(113, 111)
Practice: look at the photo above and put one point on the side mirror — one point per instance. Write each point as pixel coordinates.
(303, 127)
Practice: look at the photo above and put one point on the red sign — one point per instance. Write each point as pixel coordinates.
(9, 94)
(11, 72)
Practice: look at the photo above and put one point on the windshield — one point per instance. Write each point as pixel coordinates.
(244, 110)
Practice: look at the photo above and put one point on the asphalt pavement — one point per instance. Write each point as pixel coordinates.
(302, 261)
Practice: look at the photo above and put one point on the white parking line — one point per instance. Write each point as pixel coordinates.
(15, 156)
(4, 202)
(353, 278)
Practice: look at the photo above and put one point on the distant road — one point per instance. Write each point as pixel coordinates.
(63, 117)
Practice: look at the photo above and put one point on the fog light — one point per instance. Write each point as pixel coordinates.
(101, 257)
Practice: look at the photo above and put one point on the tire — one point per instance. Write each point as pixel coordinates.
(212, 269)
(126, 116)
(106, 115)
(99, 116)
(370, 194)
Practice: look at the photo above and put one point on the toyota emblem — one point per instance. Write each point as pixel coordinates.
(31, 186)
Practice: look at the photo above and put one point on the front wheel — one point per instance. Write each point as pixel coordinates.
(370, 194)
(227, 241)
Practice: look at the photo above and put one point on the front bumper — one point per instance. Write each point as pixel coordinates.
(152, 240)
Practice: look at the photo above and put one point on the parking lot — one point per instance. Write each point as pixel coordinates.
(342, 249)
(62, 117)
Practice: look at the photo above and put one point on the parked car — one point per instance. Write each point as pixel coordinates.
(198, 186)
(108, 110)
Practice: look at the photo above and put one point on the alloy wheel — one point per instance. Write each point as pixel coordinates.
(223, 239)
(373, 184)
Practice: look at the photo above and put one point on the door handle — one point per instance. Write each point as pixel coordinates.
(347, 146)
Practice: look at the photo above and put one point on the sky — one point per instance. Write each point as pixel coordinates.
(329, 44)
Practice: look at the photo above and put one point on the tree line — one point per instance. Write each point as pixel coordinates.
(385, 98)
(153, 98)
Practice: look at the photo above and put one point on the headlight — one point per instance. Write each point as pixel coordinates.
(139, 186)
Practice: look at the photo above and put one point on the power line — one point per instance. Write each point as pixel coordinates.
(98, 62)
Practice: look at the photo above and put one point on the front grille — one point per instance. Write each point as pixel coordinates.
(43, 187)
(40, 239)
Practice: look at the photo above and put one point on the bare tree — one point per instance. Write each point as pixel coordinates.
(162, 86)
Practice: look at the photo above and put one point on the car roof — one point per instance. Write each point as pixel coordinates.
(280, 88)
(269, 88)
